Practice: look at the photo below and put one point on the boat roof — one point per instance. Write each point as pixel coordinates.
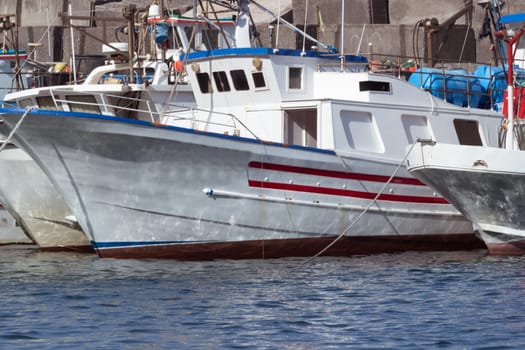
(265, 51)
(176, 19)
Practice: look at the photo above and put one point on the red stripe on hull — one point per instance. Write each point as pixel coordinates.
(345, 193)
(299, 247)
(335, 174)
(508, 248)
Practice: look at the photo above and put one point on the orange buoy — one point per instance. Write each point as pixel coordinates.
(178, 66)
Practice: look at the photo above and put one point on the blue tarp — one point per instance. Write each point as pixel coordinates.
(513, 18)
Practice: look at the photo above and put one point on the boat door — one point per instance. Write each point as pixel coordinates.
(300, 127)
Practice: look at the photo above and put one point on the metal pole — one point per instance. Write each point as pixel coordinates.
(129, 14)
(73, 63)
(342, 35)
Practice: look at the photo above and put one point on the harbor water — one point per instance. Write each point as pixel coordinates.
(434, 300)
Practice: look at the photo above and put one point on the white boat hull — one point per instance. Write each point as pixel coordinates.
(179, 193)
(10, 231)
(29, 196)
(486, 184)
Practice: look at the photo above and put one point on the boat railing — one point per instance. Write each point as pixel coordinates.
(467, 84)
(345, 66)
(144, 109)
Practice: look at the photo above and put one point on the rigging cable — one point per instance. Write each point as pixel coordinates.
(365, 210)
(13, 131)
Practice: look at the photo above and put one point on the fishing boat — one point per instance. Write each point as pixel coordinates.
(10, 231)
(237, 151)
(487, 183)
(30, 197)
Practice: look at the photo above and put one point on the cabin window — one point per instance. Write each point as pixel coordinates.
(468, 132)
(46, 102)
(295, 78)
(221, 81)
(258, 80)
(300, 127)
(378, 86)
(204, 83)
(26, 102)
(210, 39)
(126, 105)
(361, 132)
(83, 103)
(416, 127)
(239, 80)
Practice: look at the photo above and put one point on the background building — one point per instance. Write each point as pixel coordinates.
(393, 27)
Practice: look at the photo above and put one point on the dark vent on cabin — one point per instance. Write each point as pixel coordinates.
(380, 86)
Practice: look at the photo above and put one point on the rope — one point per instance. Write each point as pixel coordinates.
(464, 44)
(364, 211)
(178, 77)
(12, 133)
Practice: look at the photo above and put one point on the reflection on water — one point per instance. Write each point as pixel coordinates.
(457, 300)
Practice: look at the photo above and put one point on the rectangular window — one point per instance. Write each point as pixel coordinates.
(258, 80)
(204, 83)
(379, 86)
(221, 81)
(26, 102)
(295, 78)
(468, 132)
(239, 80)
(83, 103)
(46, 102)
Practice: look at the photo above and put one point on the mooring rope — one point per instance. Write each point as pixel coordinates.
(365, 210)
(12, 133)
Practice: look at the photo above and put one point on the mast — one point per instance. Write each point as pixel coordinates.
(72, 38)
(129, 15)
(512, 38)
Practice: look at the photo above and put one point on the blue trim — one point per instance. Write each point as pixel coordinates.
(48, 113)
(264, 51)
(108, 245)
(513, 18)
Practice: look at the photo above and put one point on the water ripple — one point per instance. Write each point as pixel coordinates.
(447, 300)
